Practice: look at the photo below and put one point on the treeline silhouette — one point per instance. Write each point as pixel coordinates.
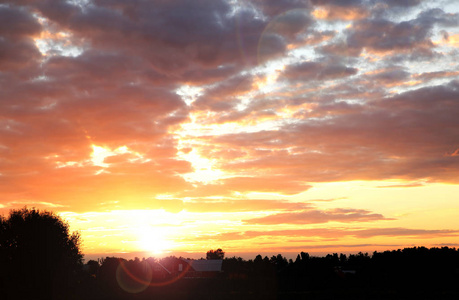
(41, 259)
(400, 274)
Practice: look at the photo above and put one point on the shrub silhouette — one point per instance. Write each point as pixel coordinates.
(39, 256)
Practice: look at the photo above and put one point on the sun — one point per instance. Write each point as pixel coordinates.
(152, 239)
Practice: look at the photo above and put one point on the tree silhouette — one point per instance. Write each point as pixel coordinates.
(215, 254)
(39, 256)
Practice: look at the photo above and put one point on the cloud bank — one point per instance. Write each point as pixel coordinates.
(124, 104)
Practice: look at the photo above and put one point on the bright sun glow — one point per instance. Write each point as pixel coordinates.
(152, 239)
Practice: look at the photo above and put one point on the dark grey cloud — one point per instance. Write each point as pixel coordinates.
(17, 29)
(308, 71)
(401, 3)
(438, 16)
(394, 75)
(172, 37)
(340, 48)
(16, 23)
(223, 96)
(404, 136)
(389, 76)
(383, 35)
(338, 2)
(273, 8)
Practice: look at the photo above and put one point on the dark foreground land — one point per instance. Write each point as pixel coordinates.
(403, 274)
(235, 289)
(411, 273)
(41, 259)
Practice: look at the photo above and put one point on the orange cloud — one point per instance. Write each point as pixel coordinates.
(316, 216)
(332, 12)
(241, 205)
(334, 233)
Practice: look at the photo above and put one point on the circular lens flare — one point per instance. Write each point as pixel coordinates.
(135, 277)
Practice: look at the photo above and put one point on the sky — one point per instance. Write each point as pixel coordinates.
(258, 126)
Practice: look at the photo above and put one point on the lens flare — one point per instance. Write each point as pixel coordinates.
(134, 280)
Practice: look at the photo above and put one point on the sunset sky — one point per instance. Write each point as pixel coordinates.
(262, 126)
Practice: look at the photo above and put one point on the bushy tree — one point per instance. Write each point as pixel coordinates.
(39, 256)
(215, 254)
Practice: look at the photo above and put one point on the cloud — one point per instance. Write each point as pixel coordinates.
(390, 76)
(242, 205)
(307, 71)
(366, 233)
(333, 233)
(343, 3)
(408, 185)
(17, 23)
(308, 247)
(336, 12)
(276, 7)
(314, 216)
(229, 186)
(162, 35)
(18, 28)
(382, 35)
(436, 75)
(290, 93)
(403, 3)
(223, 96)
(439, 17)
(379, 140)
